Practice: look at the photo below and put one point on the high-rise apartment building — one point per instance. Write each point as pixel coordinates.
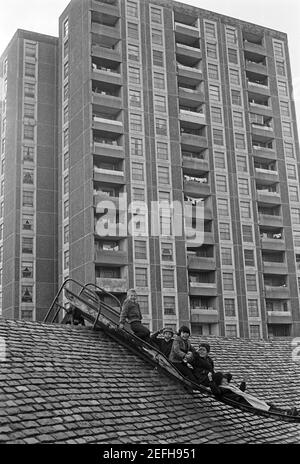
(164, 102)
(28, 197)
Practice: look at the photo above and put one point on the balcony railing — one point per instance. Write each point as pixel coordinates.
(267, 171)
(107, 121)
(257, 84)
(261, 126)
(188, 68)
(186, 26)
(111, 172)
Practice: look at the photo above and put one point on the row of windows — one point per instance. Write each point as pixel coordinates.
(230, 307)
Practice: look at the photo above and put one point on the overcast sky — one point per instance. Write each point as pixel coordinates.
(42, 16)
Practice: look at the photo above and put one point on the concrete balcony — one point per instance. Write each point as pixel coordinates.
(279, 317)
(189, 56)
(190, 98)
(185, 33)
(261, 109)
(111, 102)
(194, 119)
(207, 238)
(100, 197)
(194, 166)
(266, 176)
(106, 35)
(199, 262)
(258, 68)
(112, 285)
(270, 220)
(258, 88)
(106, 53)
(264, 153)
(191, 142)
(113, 258)
(256, 48)
(108, 125)
(109, 176)
(107, 76)
(203, 289)
(110, 231)
(270, 267)
(106, 11)
(261, 132)
(196, 189)
(113, 151)
(273, 292)
(204, 315)
(273, 244)
(265, 197)
(188, 75)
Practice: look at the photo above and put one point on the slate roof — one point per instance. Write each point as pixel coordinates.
(63, 384)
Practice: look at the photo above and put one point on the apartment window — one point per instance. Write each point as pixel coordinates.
(66, 70)
(164, 196)
(138, 194)
(66, 160)
(241, 162)
(169, 305)
(30, 49)
(228, 283)
(238, 120)
(249, 258)
(27, 269)
(29, 69)
(27, 245)
(3, 147)
(229, 306)
(162, 151)
(66, 48)
(27, 221)
(254, 331)
(66, 91)
(28, 154)
(1, 231)
(214, 92)
(133, 52)
(66, 137)
(280, 68)
(294, 193)
(66, 184)
(28, 198)
(240, 143)
(231, 36)
(133, 31)
(136, 122)
(284, 108)
(245, 209)
(211, 50)
(136, 146)
(213, 71)
(253, 308)
(210, 30)
(27, 294)
(140, 249)
(161, 126)
(132, 8)
(232, 56)
(247, 233)
(216, 114)
(2, 188)
(234, 76)
(66, 114)
(218, 136)
(135, 98)
(156, 15)
(66, 233)
(166, 251)
(160, 103)
(224, 229)
(144, 304)
(158, 58)
(287, 129)
(66, 259)
(168, 278)
(295, 212)
(66, 209)
(157, 37)
(243, 186)
(289, 150)
(236, 97)
(231, 330)
(221, 183)
(223, 208)
(141, 277)
(226, 256)
(137, 170)
(158, 80)
(282, 88)
(163, 175)
(66, 28)
(1, 209)
(291, 171)
(278, 49)
(28, 132)
(251, 283)
(134, 75)
(28, 176)
(219, 160)
(28, 110)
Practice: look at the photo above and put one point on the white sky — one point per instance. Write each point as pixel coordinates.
(42, 16)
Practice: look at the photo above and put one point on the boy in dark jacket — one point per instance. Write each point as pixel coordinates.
(202, 364)
(163, 344)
